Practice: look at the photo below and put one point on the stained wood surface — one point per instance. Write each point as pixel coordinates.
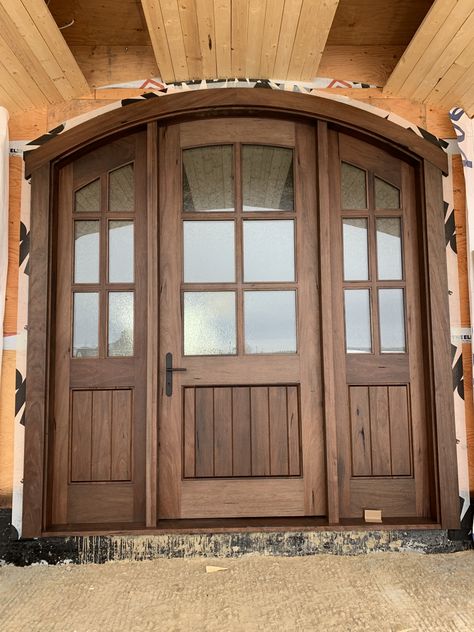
(233, 101)
(255, 415)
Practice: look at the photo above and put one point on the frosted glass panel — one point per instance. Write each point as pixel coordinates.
(386, 195)
(356, 266)
(353, 187)
(86, 252)
(122, 189)
(267, 178)
(389, 248)
(121, 251)
(209, 252)
(87, 199)
(209, 323)
(120, 341)
(208, 179)
(357, 315)
(392, 321)
(86, 325)
(269, 250)
(270, 322)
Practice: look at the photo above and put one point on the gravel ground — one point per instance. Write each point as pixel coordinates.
(380, 591)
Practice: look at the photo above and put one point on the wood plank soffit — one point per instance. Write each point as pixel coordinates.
(37, 67)
(207, 39)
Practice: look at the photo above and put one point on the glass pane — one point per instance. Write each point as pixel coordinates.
(356, 265)
(389, 248)
(86, 325)
(86, 252)
(269, 250)
(267, 178)
(353, 187)
(357, 314)
(120, 341)
(208, 179)
(209, 323)
(270, 322)
(121, 251)
(209, 252)
(392, 321)
(87, 199)
(122, 189)
(386, 195)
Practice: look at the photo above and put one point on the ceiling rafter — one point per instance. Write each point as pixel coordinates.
(36, 65)
(206, 39)
(437, 66)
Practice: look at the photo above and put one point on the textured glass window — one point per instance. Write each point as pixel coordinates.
(353, 187)
(209, 323)
(208, 179)
(122, 189)
(267, 178)
(389, 248)
(86, 251)
(356, 264)
(209, 252)
(87, 199)
(386, 195)
(270, 321)
(121, 319)
(357, 317)
(392, 320)
(121, 251)
(269, 250)
(86, 325)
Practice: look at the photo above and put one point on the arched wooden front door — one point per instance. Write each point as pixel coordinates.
(237, 316)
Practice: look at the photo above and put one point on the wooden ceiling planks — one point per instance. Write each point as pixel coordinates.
(37, 67)
(205, 39)
(437, 66)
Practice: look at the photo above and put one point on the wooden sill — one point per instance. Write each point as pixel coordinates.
(245, 525)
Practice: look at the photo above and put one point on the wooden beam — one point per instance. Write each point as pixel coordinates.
(311, 35)
(37, 66)
(439, 40)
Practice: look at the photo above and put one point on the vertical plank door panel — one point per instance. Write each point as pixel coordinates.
(204, 432)
(241, 431)
(81, 440)
(399, 431)
(260, 431)
(278, 431)
(223, 432)
(121, 435)
(189, 433)
(380, 431)
(101, 435)
(294, 467)
(360, 428)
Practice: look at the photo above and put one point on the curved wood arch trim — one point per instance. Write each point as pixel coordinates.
(232, 101)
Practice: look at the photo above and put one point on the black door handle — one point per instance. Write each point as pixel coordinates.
(169, 374)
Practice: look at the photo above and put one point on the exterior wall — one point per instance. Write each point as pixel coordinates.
(33, 124)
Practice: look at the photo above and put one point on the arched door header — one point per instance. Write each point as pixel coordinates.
(232, 101)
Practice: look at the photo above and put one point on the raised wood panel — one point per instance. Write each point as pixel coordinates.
(241, 431)
(380, 493)
(380, 431)
(101, 425)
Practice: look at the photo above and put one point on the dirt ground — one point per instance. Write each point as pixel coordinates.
(380, 591)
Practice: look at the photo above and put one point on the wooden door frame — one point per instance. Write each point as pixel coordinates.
(42, 165)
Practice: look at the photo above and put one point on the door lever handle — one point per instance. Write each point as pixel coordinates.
(169, 373)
